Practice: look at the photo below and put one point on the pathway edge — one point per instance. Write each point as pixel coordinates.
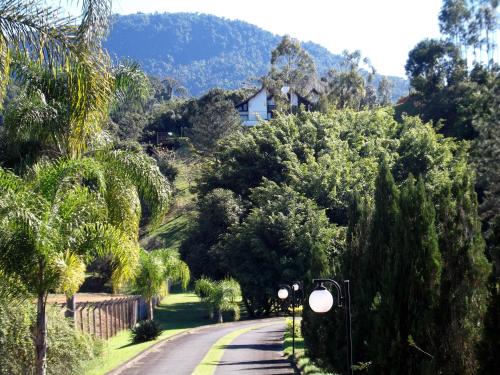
(117, 370)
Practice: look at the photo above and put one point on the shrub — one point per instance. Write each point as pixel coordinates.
(168, 169)
(146, 330)
(68, 350)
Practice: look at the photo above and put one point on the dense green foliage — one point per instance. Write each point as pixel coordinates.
(146, 330)
(285, 237)
(203, 51)
(312, 204)
(69, 350)
(218, 211)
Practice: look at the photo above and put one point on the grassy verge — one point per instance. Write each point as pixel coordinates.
(177, 313)
(177, 222)
(305, 365)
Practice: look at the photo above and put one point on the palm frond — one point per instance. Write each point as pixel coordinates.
(72, 273)
(100, 240)
(175, 269)
(124, 206)
(144, 173)
(90, 85)
(5, 60)
(95, 21)
(47, 177)
(205, 288)
(29, 117)
(9, 181)
(37, 31)
(150, 280)
(131, 84)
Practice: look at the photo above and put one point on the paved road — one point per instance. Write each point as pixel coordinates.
(256, 352)
(181, 355)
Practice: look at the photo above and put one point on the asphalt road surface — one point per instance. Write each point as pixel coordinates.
(255, 352)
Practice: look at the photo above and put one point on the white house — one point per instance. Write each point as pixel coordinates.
(261, 105)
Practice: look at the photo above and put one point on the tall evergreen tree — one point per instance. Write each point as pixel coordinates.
(463, 281)
(489, 347)
(404, 340)
(384, 219)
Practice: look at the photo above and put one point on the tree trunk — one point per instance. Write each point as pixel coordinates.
(150, 309)
(41, 335)
(70, 307)
(220, 317)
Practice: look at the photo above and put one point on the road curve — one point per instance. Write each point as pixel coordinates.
(257, 352)
(180, 356)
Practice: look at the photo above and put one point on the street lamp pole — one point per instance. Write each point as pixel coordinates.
(283, 294)
(321, 301)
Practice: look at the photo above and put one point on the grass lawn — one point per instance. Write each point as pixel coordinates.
(177, 222)
(177, 313)
(305, 365)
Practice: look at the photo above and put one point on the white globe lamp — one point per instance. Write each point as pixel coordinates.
(295, 287)
(321, 300)
(283, 293)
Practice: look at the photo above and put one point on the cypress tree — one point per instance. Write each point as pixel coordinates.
(404, 340)
(353, 266)
(489, 348)
(379, 258)
(464, 278)
(381, 235)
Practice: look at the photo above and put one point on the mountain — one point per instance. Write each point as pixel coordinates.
(204, 51)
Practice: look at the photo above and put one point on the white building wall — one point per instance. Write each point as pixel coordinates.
(257, 107)
(294, 99)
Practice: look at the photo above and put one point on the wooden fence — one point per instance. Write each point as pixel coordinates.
(104, 319)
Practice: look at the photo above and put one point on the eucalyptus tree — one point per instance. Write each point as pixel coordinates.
(220, 296)
(471, 25)
(291, 66)
(346, 87)
(156, 269)
(61, 215)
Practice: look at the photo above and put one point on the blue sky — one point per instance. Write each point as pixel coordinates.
(384, 30)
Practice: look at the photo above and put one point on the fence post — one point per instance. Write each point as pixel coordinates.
(81, 316)
(107, 317)
(93, 319)
(115, 316)
(122, 310)
(100, 320)
(70, 309)
(88, 318)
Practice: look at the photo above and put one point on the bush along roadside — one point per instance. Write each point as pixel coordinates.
(302, 363)
(69, 350)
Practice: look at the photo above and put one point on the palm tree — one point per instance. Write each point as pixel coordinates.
(63, 214)
(33, 34)
(156, 269)
(220, 296)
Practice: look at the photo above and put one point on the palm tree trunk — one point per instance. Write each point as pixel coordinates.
(70, 308)
(150, 309)
(41, 335)
(220, 317)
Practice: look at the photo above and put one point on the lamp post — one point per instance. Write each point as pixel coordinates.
(283, 294)
(321, 301)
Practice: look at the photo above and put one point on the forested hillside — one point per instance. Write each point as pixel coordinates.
(204, 51)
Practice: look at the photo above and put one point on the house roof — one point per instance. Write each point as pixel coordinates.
(303, 98)
(251, 97)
